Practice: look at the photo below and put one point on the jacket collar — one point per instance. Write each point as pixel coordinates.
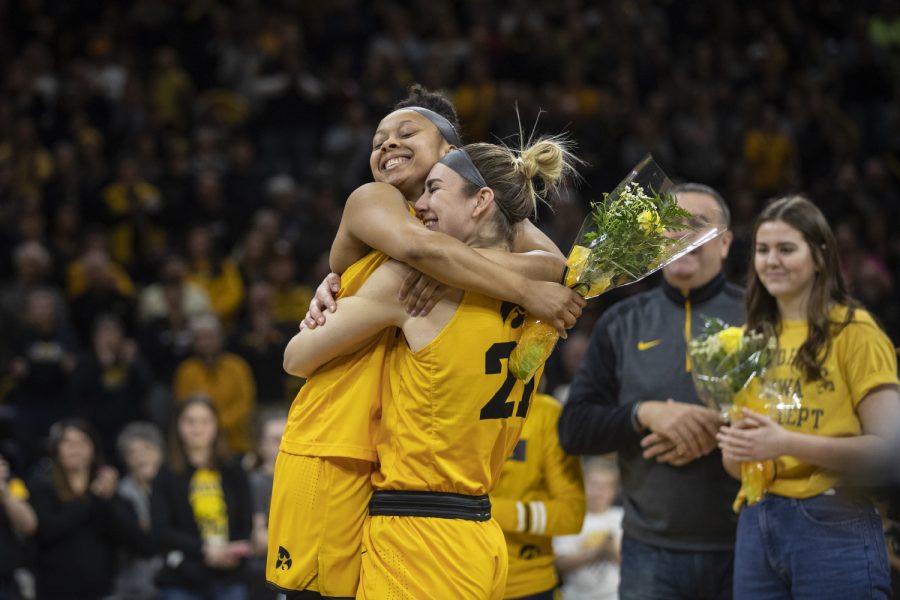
(700, 294)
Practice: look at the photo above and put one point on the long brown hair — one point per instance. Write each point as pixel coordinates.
(178, 459)
(828, 286)
(58, 476)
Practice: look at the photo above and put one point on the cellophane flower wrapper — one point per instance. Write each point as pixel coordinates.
(761, 396)
(727, 366)
(636, 230)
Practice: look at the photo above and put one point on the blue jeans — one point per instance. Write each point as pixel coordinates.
(217, 591)
(827, 546)
(652, 573)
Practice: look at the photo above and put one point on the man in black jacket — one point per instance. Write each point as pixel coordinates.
(633, 395)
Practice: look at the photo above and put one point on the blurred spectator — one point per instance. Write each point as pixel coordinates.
(140, 447)
(201, 511)
(347, 143)
(110, 383)
(588, 561)
(172, 282)
(271, 423)
(475, 98)
(217, 275)
(243, 179)
(252, 254)
(770, 153)
(209, 208)
(260, 339)
(32, 163)
(166, 340)
(289, 299)
(69, 185)
(100, 297)
(33, 269)
(43, 356)
(81, 520)
(283, 195)
(134, 209)
(96, 242)
(17, 523)
(171, 90)
(66, 237)
(224, 377)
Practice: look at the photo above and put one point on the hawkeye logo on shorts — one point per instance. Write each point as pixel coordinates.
(283, 561)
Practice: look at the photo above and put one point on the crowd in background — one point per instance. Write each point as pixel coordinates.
(172, 173)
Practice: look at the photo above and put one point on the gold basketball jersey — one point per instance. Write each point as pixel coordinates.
(540, 494)
(333, 413)
(454, 412)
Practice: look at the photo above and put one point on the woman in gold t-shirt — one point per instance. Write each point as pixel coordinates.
(811, 536)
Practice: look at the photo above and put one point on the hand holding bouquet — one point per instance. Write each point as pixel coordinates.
(637, 229)
(726, 366)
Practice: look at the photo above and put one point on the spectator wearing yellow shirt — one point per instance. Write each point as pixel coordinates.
(289, 298)
(76, 277)
(220, 277)
(812, 534)
(224, 377)
(134, 207)
(769, 152)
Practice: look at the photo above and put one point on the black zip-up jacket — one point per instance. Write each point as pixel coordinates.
(175, 530)
(638, 352)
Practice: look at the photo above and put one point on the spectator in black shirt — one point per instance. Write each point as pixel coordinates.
(81, 520)
(201, 512)
(111, 382)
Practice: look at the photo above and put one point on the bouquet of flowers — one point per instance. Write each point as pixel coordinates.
(637, 229)
(724, 362)
(727, 364)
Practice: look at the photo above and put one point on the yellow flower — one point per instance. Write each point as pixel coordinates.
(731, 338)
(649, 221)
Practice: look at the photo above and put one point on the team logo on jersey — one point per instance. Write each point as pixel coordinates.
(283, 562)
(517, 312)
(529, 551)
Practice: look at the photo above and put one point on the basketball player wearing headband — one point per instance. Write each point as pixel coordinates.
(451, 411)
(321, 487)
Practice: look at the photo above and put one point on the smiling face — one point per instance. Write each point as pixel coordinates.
(784, 262)
(697, 268)
(444, 205)
(405, 147)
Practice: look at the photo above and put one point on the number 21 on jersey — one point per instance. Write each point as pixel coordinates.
(501, 406)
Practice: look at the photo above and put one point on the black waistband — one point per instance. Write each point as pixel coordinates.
(443, 505)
